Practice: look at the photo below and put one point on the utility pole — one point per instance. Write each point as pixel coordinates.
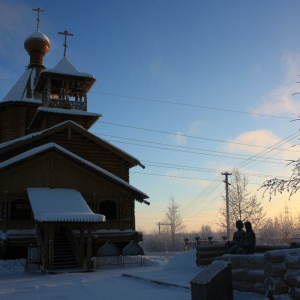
(226, 174)
(160, 224)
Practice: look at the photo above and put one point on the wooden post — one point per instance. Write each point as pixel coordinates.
(94, 205)
(120, 212)
(46, 247)
(81, 245)
(51, 247)
(5, 210)
(133, 214)
(89, 249)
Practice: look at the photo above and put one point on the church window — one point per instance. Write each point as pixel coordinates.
(20, 210)
(108, 208)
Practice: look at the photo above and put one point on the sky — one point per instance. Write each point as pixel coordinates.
(178, 270)
(190, 88)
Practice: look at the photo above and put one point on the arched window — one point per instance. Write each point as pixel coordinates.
(109, 209)
(20, 209)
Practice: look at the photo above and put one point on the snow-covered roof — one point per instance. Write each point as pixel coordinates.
(65, 67)
(18, 91)
(75, 126)
(45, 147)
(60, 205)
(68, 111)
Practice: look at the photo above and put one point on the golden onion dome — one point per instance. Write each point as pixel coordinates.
(37, 45)
(37, 41)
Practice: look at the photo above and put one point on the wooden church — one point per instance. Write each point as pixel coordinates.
(60, 185)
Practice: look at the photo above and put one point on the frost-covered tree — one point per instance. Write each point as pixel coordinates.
(174, 222)
(278, 230)
(291, 185)
(206, 231)
(242, 204)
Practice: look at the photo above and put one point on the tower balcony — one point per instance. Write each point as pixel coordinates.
(67, 104)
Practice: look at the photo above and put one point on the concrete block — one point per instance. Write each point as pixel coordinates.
(213, 282)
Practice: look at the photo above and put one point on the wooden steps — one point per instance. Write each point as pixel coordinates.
(64, 256)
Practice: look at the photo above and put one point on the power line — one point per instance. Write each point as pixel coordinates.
(276, 145)
(175, 176)
(207, 192)
(189, 178)
(190, 136)
(196, 169)
(198, 153)
(262, 153)
(192, 205)
(179, 103)
(183, 147)
(208, 204)
(190, 105)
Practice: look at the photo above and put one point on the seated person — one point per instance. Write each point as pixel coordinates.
(238, 238)
(248, 246)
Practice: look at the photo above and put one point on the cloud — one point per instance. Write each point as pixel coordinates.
(267, 144)
(261, 137)
(196, 127)
(179, 138)
(281, 99)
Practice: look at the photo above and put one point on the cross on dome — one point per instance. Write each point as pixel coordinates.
(66, 33)
(38, 18)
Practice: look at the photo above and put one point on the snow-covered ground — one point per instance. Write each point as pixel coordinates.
(108, 282)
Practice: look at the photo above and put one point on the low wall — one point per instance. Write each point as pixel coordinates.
(273, 272)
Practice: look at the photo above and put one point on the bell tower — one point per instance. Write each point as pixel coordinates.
(63, 91)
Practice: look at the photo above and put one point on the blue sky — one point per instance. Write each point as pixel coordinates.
(190, 88)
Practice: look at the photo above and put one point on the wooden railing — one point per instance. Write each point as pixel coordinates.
(73, 242)
(62, 103)
(18, 224)
(40, 242)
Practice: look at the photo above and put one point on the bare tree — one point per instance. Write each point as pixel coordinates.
(242, 205)
(174, 219)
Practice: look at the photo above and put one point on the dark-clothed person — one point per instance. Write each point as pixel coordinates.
(248, 246)
(238, 239)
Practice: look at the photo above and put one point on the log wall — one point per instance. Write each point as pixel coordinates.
(275, 273)
(247, 272)
(292, 275)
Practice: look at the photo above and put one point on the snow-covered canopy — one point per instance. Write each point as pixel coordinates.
(68, 111)
(60, 205)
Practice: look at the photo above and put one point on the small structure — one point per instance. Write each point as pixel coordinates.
(108, 250)
(213, 282)
(132, 249)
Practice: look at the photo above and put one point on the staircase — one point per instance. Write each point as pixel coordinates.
(64, 256)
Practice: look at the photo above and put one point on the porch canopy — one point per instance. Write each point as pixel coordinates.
(61, 205)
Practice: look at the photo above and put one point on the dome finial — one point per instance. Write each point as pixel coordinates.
(66, 33)
(37, 44)
(38, 18)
